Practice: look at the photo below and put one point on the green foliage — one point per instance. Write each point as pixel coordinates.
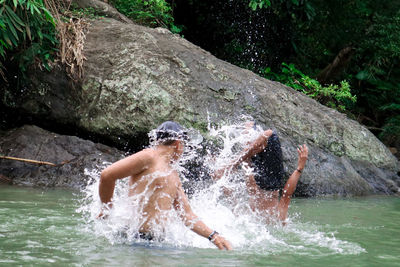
(372, 28)
(254, 4)
(27, 32)
(377, 79)
(256, 34)
(88, 12)
(334, 96)
(391, 129)
(154, 13)
(258, 4)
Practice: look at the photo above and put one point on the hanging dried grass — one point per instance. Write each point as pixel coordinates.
(72, 44)
(71, 35)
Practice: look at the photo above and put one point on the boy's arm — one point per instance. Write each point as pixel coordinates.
(128, 166)
(250, 151)
(255, 147)
(181, 204)
(291, 183)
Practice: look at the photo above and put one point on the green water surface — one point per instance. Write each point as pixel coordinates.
(40, 227)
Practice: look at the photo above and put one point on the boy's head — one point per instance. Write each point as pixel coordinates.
(168, 132)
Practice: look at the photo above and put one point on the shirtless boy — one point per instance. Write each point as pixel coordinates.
(265, 184)
(152, 174)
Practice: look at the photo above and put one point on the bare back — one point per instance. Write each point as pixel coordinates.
(156, 187)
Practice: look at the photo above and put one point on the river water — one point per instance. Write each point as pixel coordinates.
(40, 227)
(47, 227)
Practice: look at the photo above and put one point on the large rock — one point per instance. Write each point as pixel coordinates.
(82, 159)
(137, 77)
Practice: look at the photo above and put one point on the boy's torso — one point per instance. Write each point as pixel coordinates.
(156, 188)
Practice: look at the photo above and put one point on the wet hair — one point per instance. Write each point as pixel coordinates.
(168, 132)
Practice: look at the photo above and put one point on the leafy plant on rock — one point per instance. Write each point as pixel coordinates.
(27, 33)
(154, 13)
(334, 96)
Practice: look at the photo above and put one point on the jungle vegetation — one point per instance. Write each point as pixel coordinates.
(346, 54)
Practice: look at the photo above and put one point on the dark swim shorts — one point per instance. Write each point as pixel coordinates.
(145, 236)
(268, 165)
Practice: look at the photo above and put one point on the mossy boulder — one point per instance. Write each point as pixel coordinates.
(136, 77)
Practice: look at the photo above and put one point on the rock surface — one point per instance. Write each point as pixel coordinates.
(137, 77)
(84, 158)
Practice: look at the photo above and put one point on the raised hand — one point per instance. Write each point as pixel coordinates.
(303, 156)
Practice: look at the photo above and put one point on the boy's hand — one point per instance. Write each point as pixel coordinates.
(221, 242)
(268, 133)
(218, 174)
(303, 156)
(104, 211)
(257, 145)
(102, 216)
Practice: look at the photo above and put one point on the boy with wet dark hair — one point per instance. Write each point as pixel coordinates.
(153, 176)
(265, 184)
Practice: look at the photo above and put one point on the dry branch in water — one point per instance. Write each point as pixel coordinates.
(29, 161)
(37, 161)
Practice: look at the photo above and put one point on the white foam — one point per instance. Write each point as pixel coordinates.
(246, 230)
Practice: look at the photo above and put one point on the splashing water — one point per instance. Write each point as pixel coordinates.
(230, 216)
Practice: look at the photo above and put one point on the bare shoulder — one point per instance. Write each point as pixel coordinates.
(144, 155)
(131, 165)
(140, 160)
